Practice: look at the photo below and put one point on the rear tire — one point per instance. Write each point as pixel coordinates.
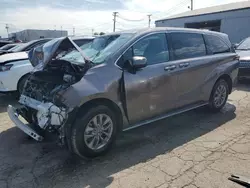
(219, 95)
(99, 121)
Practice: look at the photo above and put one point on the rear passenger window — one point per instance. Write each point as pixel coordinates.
(187, 45)
(215, 45)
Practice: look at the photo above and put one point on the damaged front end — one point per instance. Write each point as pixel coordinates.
(58, 65)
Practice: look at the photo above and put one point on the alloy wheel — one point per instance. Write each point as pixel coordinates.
(98, 131)
(220, 95)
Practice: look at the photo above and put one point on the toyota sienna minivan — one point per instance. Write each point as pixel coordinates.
(140, 77)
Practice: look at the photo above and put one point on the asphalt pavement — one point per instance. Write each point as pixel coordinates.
(194, 149)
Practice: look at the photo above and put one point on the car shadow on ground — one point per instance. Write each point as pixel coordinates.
(26, 163)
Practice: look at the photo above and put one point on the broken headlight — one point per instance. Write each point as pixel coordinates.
(5, 67)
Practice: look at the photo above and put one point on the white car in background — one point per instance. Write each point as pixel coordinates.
(15, 66)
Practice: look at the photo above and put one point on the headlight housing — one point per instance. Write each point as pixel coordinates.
(6, 67)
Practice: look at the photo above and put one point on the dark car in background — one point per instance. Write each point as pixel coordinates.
(24, 47)
(8, 47)
(29, 45)
(139, 77)
(4, 42)
(243, 50)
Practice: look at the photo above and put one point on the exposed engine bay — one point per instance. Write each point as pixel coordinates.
(58, 65)
(41, 97)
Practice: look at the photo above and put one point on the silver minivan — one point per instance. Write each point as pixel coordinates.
(122, 80)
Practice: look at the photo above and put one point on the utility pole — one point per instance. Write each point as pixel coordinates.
(192, 5)
(92, 32)
(7, 29)
(149, 20)
(73, 31)
(114, 14)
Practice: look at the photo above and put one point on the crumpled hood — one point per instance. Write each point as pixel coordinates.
(13, 56)
(244, 55)
(44, 54)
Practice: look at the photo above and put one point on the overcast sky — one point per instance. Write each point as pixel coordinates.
(86, 15)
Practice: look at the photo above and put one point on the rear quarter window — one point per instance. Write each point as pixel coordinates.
(216, 45)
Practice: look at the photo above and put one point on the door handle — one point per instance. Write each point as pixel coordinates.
(170, 68)
(183, 65)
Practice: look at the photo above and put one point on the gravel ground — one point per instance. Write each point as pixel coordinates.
(194, 149)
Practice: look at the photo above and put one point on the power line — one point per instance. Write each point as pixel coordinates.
(169, 11)
(130, 19)
(131, 25)
(173, 9)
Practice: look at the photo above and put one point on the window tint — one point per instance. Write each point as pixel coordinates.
(215, 45)
(187, 45)
(153, 47)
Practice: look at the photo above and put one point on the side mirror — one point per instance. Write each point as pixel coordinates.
(139, 62)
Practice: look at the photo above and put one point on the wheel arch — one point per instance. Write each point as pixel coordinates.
(22, 77)
(106, 102)
(228, 79)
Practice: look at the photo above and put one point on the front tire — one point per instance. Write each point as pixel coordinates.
(219, 95)
(94, 133)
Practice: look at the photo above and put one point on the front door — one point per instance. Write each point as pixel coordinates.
(150, 91)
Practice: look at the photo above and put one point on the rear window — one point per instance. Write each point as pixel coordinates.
(216, 45)
(187, 45)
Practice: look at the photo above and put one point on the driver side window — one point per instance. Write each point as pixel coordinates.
(153, 47)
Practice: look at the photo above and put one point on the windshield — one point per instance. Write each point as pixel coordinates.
(245, 45)
(74, 56)
(99, 49)
(98, 45)
(112, 47)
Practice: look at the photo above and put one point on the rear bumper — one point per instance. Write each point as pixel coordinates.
(24, 127)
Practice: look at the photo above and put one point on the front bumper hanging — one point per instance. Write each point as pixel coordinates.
(24, 127)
